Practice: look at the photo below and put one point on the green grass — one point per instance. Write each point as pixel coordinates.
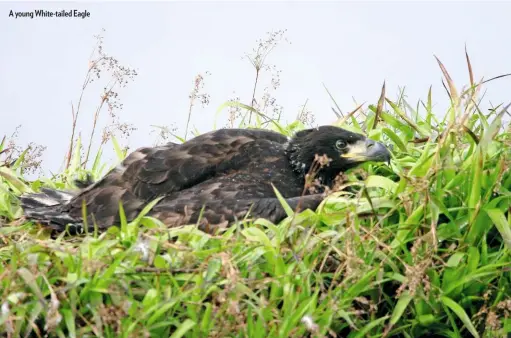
(419, 248)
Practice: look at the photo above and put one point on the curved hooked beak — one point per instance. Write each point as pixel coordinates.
(368, 150)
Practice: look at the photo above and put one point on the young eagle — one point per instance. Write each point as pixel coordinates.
(229, 172)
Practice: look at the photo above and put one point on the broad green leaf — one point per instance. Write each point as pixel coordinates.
(375, 181)
(502, 225)
(185, 326)
(400, 308)
(462, 315)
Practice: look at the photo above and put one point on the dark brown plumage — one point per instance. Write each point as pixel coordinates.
(228, 172)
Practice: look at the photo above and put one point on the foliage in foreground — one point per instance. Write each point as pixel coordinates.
(420, 248)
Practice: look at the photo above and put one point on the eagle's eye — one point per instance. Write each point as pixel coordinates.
(340, 144)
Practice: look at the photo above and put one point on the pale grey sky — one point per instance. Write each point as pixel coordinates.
(351, 47)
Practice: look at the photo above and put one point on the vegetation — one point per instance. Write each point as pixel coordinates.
(420, 248)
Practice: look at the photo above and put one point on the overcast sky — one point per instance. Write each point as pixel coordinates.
(351, 47)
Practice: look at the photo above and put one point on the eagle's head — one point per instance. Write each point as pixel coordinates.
(344, 148)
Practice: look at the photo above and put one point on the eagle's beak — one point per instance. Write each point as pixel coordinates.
(368, 150)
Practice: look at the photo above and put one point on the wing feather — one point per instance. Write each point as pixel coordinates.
(165, 171)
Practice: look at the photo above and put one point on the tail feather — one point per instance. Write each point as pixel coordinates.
(46, 198)
(45, 207)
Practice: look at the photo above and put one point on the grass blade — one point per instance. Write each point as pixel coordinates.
(462, 315)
